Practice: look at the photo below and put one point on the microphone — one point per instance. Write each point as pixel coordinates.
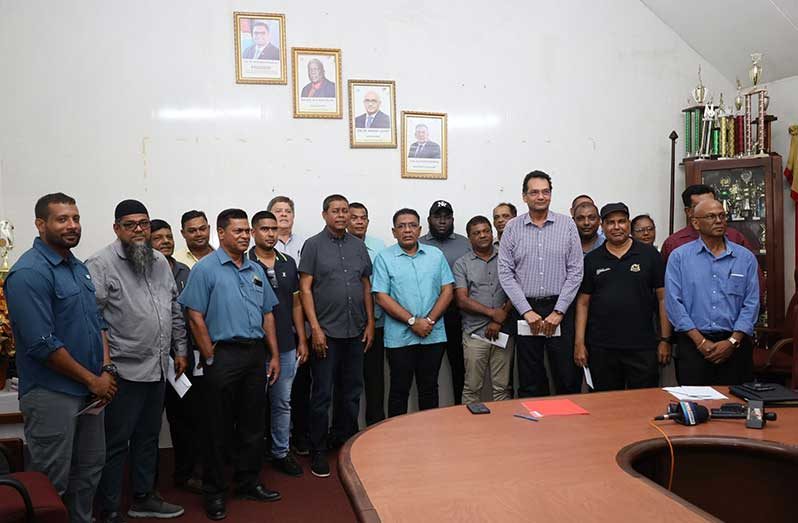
(685, 412)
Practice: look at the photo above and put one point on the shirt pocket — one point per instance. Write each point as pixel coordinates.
(735, 286)
(66, 289)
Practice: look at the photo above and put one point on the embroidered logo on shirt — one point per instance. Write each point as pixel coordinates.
(605, 269)
(635, 267)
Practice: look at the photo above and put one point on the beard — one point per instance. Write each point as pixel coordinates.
(140, 256)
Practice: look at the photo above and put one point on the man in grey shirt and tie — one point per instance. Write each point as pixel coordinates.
(540, 269)
(137, 297)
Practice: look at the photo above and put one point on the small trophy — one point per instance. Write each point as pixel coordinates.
(6, 245)
(699, 91)
(755, 73)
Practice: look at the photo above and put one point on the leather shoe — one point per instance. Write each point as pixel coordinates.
(258, 493)
(215, 509)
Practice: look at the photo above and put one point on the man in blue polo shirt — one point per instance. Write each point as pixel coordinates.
(62, 356)
(230, 304)
(413, 285)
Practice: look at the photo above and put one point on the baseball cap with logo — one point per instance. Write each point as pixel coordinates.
(440, 206)
(614, 207)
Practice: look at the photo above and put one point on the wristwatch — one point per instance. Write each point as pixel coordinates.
(411, 320)
(111, 369)
(666, 340)
(734, 341)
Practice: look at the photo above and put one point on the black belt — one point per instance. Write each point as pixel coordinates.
(241, 341)
(543, 300)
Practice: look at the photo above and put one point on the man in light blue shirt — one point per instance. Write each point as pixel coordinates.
(374, 359)
(413, 284)
(712, 299)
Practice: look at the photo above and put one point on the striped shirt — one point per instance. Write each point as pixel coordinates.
(536, 262)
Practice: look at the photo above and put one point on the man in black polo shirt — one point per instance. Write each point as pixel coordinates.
(616, 307)
(336, 297)
(282, 274)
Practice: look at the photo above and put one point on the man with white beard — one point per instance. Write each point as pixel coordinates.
(137, 296)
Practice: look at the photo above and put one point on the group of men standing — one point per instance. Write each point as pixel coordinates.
(281, 334)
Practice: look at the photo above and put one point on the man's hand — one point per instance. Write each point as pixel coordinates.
(580, 355)
(368, 336)
(721, 351)
(422, 327)
(499, 316)
(534, 320)
(706, 348)
(319, 341)
(103, 387)
(664, 353)
(181, 364)
(301, 352)
(492, 330)
(274, 370)
(550, 323)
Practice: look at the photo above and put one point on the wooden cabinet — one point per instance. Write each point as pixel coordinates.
(752, 193)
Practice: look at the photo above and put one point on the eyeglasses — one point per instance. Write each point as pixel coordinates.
(535, 192)
(132, 226)
(640, 230)
(721, 217)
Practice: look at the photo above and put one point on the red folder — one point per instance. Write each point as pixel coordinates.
(542, 408)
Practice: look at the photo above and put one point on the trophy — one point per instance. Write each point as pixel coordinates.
(755, 73)
(6, 244)
(724, 192)
(699, 91)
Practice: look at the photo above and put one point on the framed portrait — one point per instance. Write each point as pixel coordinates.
(372, 113)
(260, 48)
(424, 147)
(317, 82)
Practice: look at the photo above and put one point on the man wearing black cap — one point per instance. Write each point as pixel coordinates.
(621, 277)
(137, 296)
(441, 235)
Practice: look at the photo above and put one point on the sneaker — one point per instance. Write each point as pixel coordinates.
(153, 506)
(300, 446)
(287, 465)
(319, 466)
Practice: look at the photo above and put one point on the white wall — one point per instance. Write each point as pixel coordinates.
(588, 91)
(784, 104)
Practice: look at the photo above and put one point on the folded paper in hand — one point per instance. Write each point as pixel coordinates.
(525, 330)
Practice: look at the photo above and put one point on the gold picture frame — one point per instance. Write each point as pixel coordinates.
(423, 156)
(372, 124)
(270, 65)
(319, 97)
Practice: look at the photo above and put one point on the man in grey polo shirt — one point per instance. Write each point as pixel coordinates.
(485, 308)
(441, 235)
(137, 296)
(336, 296)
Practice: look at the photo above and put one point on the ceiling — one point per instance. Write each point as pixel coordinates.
(726, 32)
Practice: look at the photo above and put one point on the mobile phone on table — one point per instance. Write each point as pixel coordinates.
(478, 408)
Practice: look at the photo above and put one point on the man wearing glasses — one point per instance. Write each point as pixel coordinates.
(137, 297)
(540, 269)
(262, 49)
(712, 299)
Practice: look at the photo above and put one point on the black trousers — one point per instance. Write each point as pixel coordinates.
(620, 369)
(341, 371)
(184, 416)
(235, 400)
(300, 402)
(420, 361)
(693, 369)
(532, 379)
(374, 378)
(454, 351)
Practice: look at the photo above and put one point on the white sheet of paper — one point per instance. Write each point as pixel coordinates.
(181, 384)
(694, 392)
(92, 408)
(525, 330)
(197, 369)
(501, 341)
(588, 378)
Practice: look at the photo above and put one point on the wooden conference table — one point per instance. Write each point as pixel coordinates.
(450, 465)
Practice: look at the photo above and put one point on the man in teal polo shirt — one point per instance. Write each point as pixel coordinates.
(413, 285)
(230, 301)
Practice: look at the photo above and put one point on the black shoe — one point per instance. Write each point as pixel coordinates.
(287, 465)
(192, 484)
(215, 509)
(300, 446)
(257, 493)
(319, 466)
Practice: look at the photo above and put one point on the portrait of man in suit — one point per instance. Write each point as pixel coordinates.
(319, 86)
(262, 49)
(423, 147)
(373, 118)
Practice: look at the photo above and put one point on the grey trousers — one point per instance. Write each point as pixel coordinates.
(70, 450)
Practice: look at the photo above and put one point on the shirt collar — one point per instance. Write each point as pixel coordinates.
(493, 254)
(401, 252)
(224, 258)
(528, 219)
(701, 246)
(49, 254)
(118, 249)
(278, 256)
(331, 236)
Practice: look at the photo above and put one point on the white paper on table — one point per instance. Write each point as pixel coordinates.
(588, 378)
(92, 408)
(694, 392)
(501, 341)
(197, 361)
(525, 330)
(181, 384)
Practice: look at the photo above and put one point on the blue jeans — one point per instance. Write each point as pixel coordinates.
(280, 400)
